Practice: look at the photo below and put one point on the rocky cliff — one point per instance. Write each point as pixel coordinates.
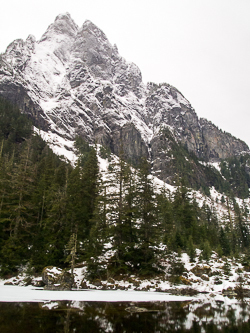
(74, 82)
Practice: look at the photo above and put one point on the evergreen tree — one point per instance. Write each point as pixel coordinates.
(206, 250)
(185, 219)
(99, 233)
(82, 194)
(71, 248)
(191, 249)
(165, 215)
(120, 200)
(224, 242)
(147, 228)
(241, 228)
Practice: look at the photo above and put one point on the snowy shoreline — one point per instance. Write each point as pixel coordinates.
(214, 278)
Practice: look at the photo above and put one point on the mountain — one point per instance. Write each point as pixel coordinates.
(74, 89)
(73, 82)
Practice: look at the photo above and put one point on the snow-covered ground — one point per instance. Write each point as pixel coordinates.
(215, 277)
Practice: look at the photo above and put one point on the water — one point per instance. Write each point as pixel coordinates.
(208, 315)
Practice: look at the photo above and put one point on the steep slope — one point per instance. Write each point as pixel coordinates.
(74, 82)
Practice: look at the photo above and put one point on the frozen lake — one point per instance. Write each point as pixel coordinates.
(32, 294)
(29, 309)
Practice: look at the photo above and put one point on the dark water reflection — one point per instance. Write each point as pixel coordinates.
(70, 316)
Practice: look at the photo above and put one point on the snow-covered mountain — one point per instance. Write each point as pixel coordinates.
(74, 82)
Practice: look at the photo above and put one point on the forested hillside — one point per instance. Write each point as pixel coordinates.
(119, 222)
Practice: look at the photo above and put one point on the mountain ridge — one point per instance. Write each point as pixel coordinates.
(120, 219)
(74, 82)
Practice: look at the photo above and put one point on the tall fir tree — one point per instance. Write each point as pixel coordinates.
(147, 227)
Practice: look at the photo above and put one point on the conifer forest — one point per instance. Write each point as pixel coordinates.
(119, 223)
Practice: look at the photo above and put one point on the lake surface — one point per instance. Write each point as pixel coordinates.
(207, 315)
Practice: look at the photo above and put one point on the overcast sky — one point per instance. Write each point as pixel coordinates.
(202, 47)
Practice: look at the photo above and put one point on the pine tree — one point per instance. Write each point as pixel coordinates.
(206, 253)
(90, 175)
(224, 242)
(51, 231)
(71, 248)
(119, 211)
(99, 233)
(241, 228)
(191, 249)
(115, 217)
(147, 228)
(185, 216)
(17, 209)
(6, 167)
(22, 182)
(82, 194)
(165, 215)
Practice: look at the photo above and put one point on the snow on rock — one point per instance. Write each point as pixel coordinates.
(74, 82)
(60, 145)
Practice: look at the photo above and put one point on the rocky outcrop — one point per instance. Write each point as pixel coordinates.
(18, 95)
(218, 144)
(74, 82)
(168, 108)
(56, 279)
(128, 140)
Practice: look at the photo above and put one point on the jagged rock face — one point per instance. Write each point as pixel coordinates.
(74, 82)
(218, 144)
(131, 144)
(168, 107)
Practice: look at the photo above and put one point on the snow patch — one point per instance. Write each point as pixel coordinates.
(59, 145)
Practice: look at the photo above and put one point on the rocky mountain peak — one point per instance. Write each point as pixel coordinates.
(74, 82)
(92, 47)
(91, 28)
(30, 42)
(63, 25)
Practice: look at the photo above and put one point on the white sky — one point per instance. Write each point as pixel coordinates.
(202, 47)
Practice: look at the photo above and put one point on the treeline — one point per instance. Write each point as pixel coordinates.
(117, 222)
(141, 223)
